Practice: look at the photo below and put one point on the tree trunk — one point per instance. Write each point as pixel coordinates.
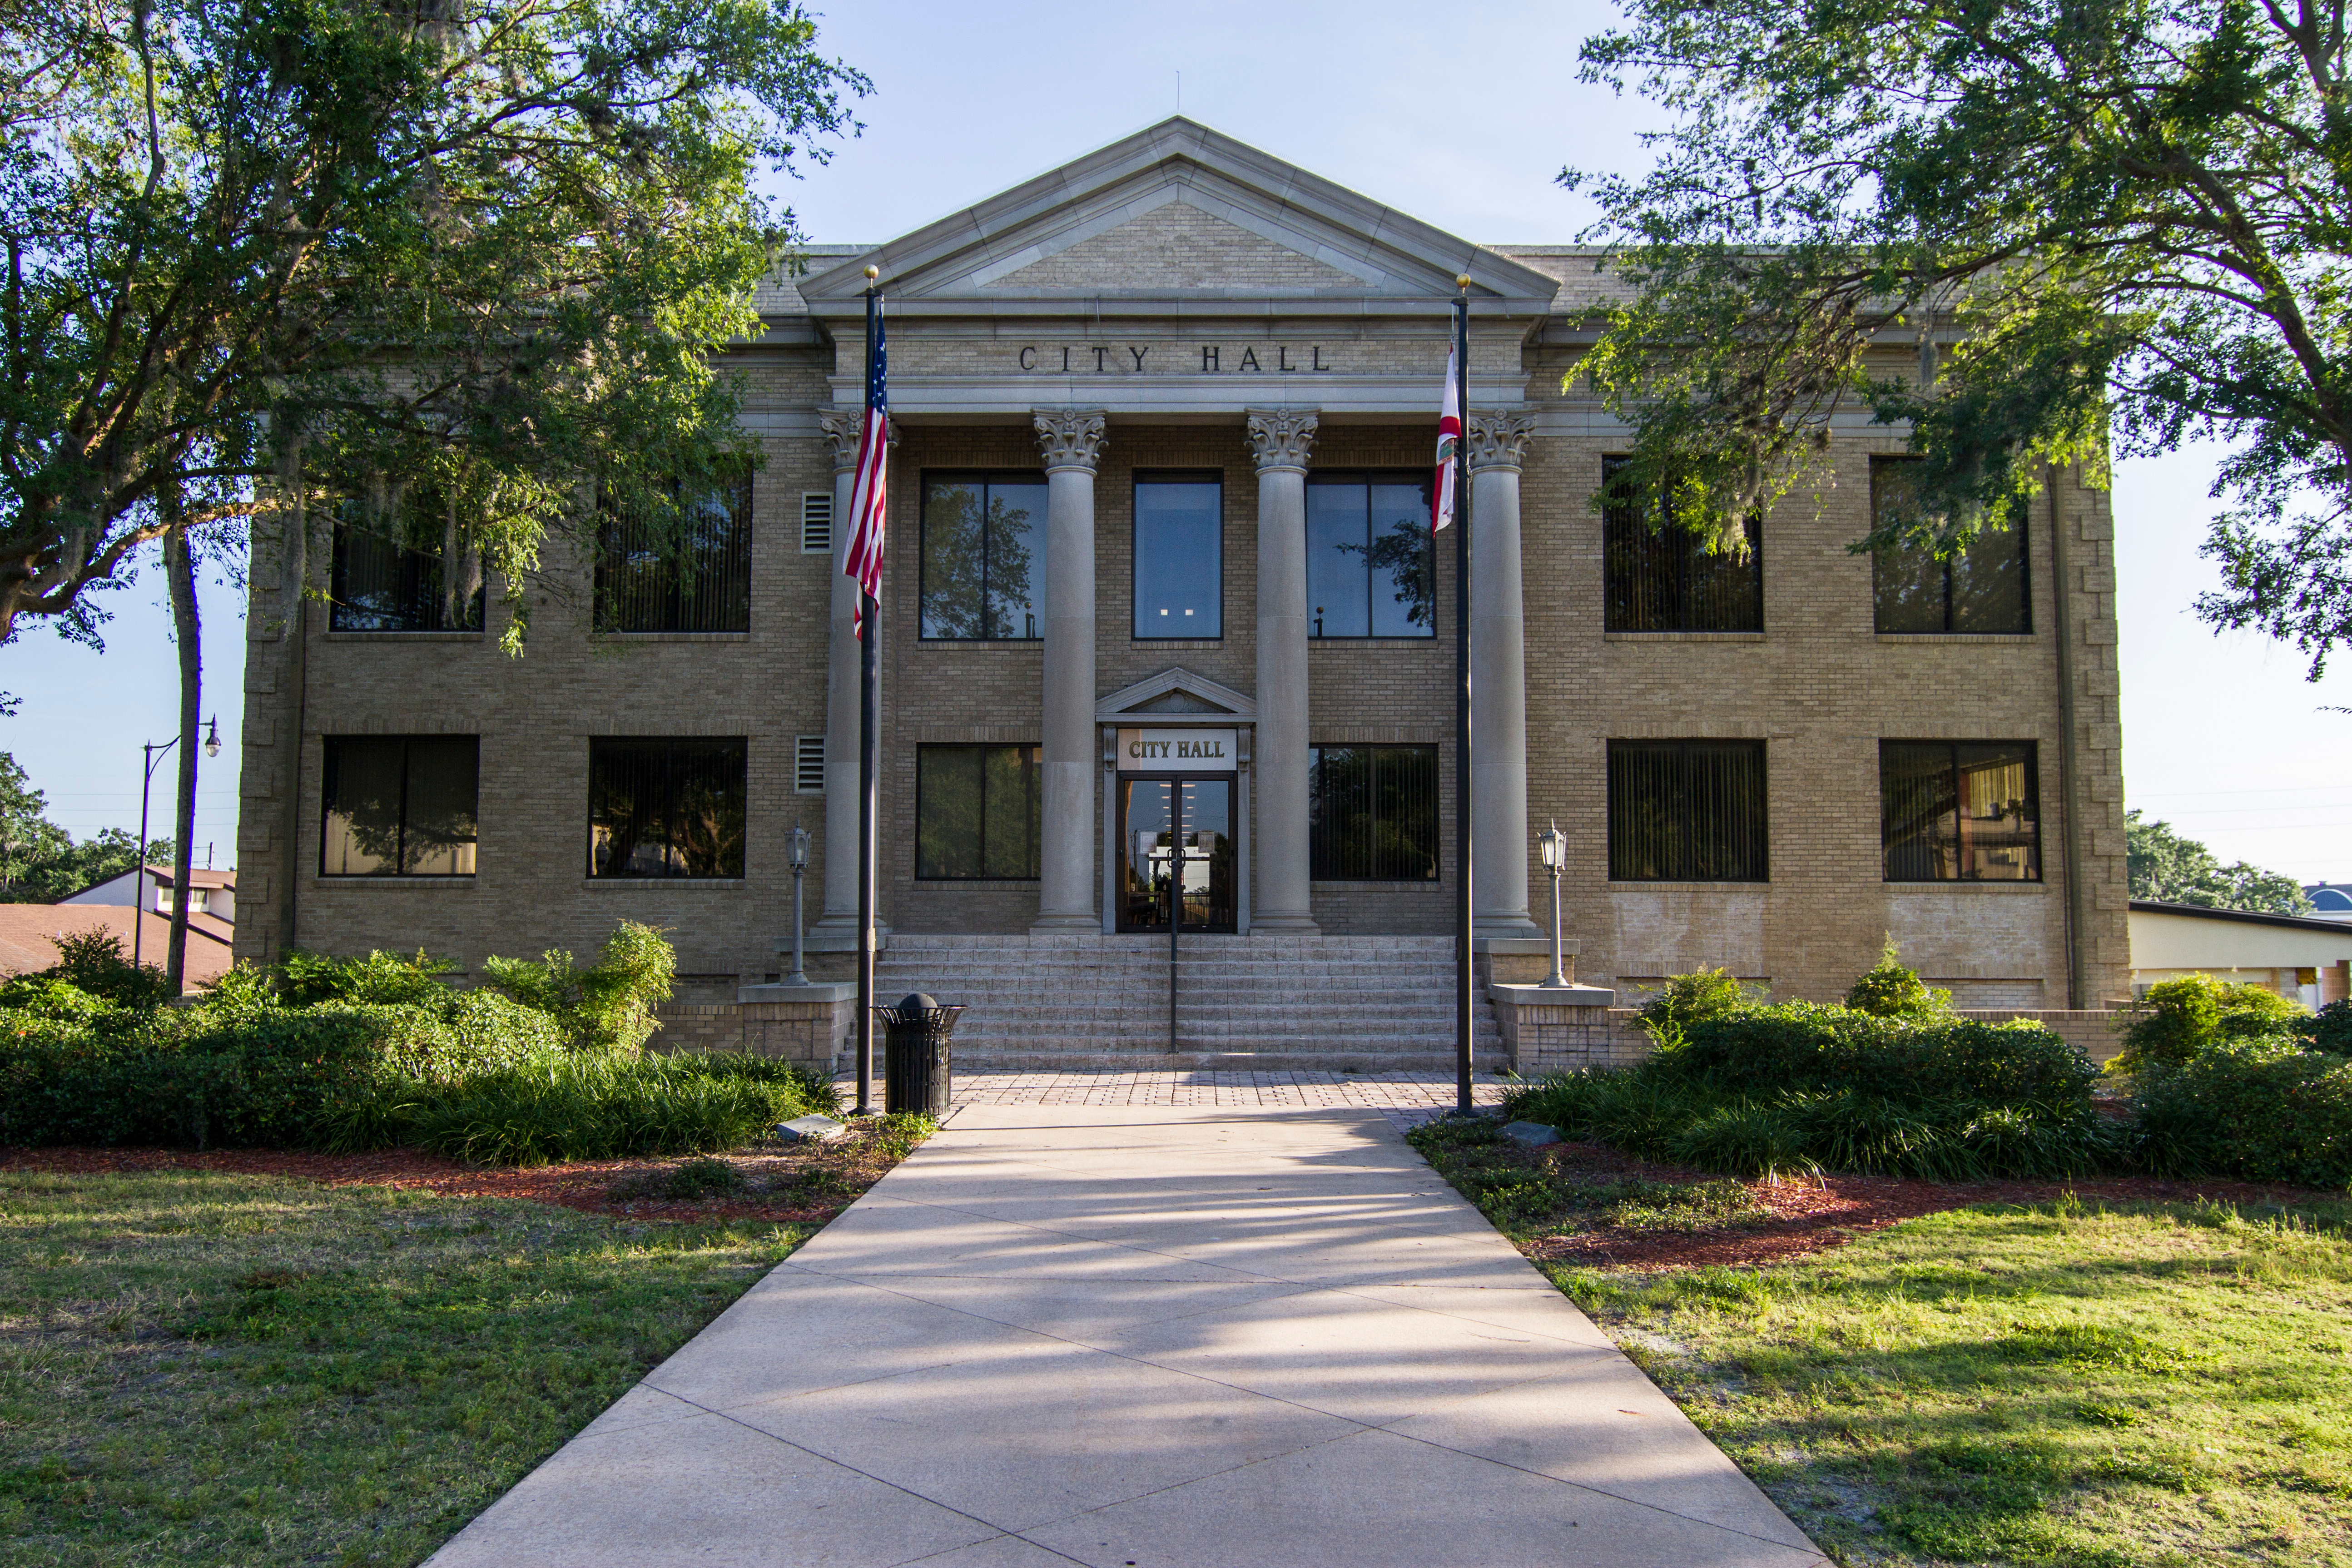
(179, 569)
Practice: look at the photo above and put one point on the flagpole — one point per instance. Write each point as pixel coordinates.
(1464, 834)
(869, 769)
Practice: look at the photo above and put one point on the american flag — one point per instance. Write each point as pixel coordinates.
(1449, 432)
(870, 497)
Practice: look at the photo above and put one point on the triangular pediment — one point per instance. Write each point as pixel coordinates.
(1175, 696)
(1176, 212)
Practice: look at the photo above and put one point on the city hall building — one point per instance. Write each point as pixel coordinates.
(1164, 637)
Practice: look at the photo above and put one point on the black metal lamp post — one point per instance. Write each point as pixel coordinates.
(796, 852)
(1552, 844)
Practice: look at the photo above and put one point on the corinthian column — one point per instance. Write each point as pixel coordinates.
(836, 928)
(1281, 439)
(1498, 676)
(1071, 443)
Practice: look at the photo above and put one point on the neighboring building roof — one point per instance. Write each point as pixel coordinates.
(28, 935)
(2249, 917)
(162, 877)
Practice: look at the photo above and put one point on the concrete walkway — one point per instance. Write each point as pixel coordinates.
(1156, 1336)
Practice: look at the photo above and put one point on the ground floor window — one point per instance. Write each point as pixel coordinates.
(1960, 811)
(1371, 814)
(977, 811)
(664, 807)
(400, 805)
(1686, 811)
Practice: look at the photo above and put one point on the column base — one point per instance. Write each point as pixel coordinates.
(1506, 925)
(1283, 925)
(834, 933)
(1085, 921)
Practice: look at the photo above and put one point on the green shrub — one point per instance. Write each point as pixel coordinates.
(2258, 1108)
(306, 979)
(605, 1105)
(1892, 990)
(1803, 1045)
(93, 961)
(2330, 1029)
(42, 997)
(1702, 994)
(1743, 1138)
(2180, 1018)
(607, 1006)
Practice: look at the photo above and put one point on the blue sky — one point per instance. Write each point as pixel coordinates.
(1459, 117)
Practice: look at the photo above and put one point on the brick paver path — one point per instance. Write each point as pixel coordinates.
(1405, 1098)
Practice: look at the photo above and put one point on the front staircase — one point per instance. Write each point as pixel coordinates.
(1361, 1004)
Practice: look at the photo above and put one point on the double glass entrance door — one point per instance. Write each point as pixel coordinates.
(1176, 853)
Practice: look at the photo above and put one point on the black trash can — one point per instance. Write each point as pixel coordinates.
(915, 1054)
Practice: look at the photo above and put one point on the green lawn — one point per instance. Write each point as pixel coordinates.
(212, 1369)
(2061, 1383)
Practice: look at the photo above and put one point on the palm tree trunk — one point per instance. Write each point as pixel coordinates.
(180, 570)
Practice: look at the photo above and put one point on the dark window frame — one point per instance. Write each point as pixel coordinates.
(330, 768)
(1136, 481)
(420, 588)
(1623, 529)
(1035, 772)
(1322, 855)
(668, 839)
(1367, 478)
(1682, 824)
(676, 591)
(982, 478)
(1887, 844)
(1879, 560)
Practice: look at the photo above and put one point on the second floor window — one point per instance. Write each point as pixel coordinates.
(1960, 811)
(387, 577)
(400, 805)
(1686, 811)
(1372, 570)
(977, 812)
(1180, 556)
(1663, 578)
(1371, 814)
(663, 806)
(1981, 590)
(687, 568)
(983, 557)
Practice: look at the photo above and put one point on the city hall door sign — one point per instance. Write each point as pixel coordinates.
(1176, 813)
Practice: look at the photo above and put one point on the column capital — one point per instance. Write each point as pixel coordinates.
(1070, 437)
(845, 430)
(1282, 438)
(1499, 440)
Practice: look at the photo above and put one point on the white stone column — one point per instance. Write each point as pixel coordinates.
(1498, 676)
(1071, 443)
(836, 928)
(1281, 439)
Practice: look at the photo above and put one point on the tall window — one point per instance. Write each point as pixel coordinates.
(1371, 814)
(400, 805)
(977, 810)
(1686, 811)
(665, 808)
(1960, 811)
(1981, 590)
(687, 572)
(1180, 556)
(1668, 579)
(384, 581)
(984, 557)
(1372, 570)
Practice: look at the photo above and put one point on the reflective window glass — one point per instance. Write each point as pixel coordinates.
(1980, 589)
(400, 805)
(1372, 569)
(983, 557)
(1178, 558)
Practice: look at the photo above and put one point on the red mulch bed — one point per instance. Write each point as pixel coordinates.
(585, 1185)
(1806, 1218)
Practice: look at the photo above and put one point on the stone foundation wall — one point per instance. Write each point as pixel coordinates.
(814, 1032)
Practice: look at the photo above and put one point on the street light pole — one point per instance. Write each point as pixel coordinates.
(152, 752)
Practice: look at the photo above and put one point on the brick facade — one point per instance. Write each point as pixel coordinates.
(1818, 684)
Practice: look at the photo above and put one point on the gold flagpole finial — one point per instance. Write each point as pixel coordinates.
(1461, 282)
(874, 272)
